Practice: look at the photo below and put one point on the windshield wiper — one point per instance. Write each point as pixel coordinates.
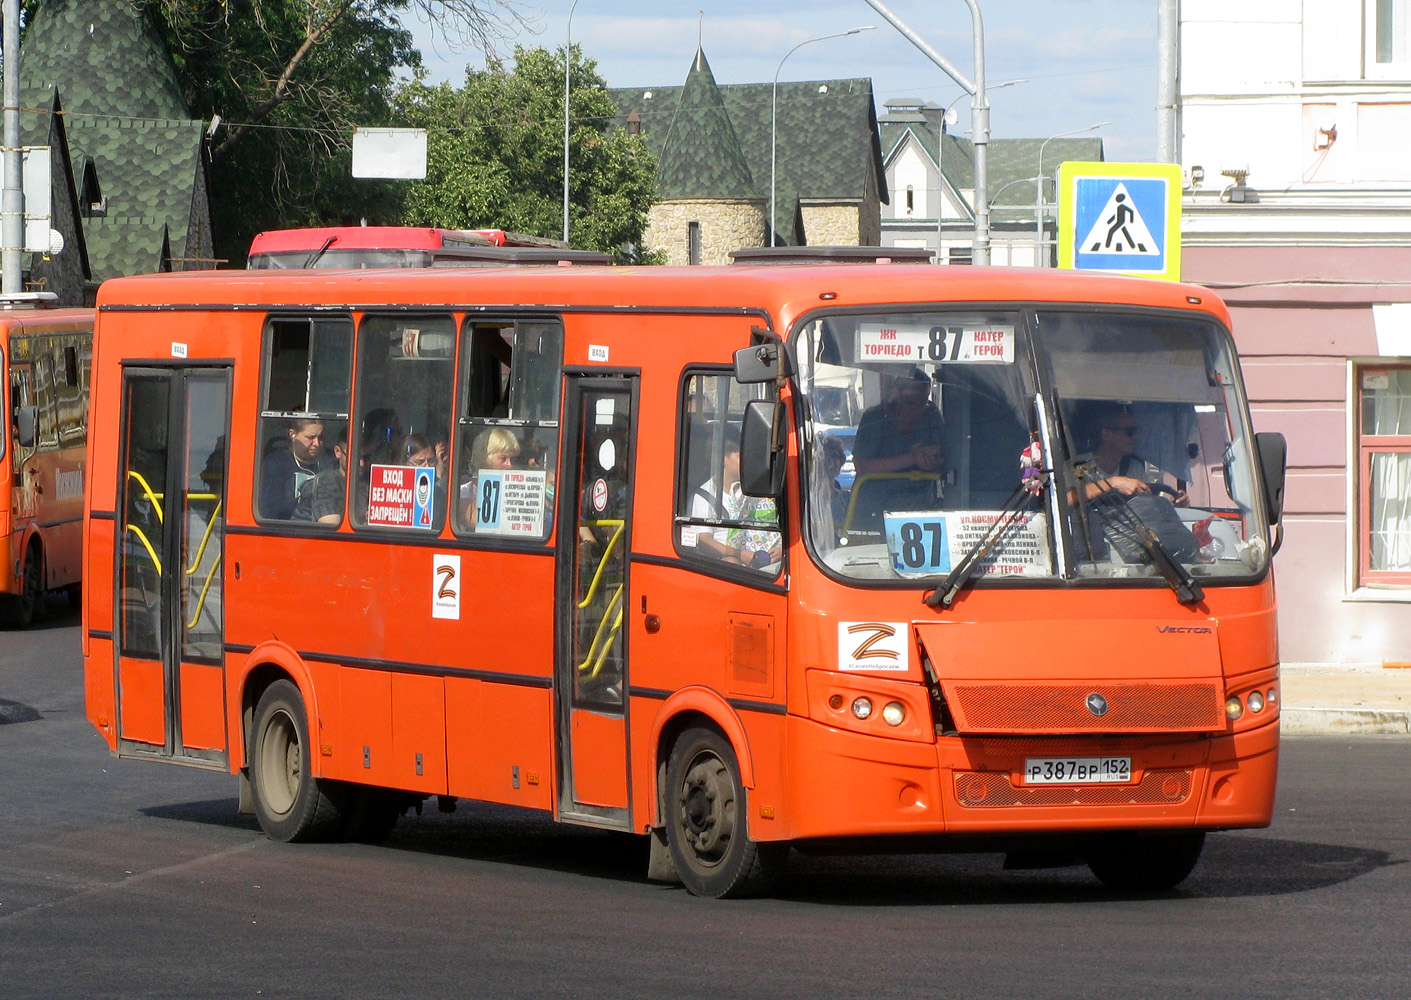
(1113, 507)
(313, 257)
(944, 595)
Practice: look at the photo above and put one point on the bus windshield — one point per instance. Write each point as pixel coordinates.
(1062, 443)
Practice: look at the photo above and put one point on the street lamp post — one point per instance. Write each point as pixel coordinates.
(946, 119)
(979, 113)
(1040, 257)
(567, 65)
(774, 111)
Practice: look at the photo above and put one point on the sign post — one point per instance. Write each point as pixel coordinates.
(1123, 218)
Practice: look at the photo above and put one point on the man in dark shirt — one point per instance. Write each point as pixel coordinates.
(901, 436)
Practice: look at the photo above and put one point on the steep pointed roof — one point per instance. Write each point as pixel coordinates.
(127, 122)
(701, 156)
(107, 56)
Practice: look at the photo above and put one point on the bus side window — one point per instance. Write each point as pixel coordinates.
(401, 462)
(715, 521)
(508, 428)
(304, 411)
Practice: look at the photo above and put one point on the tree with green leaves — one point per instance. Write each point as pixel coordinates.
(495, 155)
(290, 80)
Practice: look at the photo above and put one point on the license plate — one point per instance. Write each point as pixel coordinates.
(1077, 770)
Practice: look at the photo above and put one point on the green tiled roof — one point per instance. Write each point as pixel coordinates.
(125, 114)
(827, 140)
(700, 156)
(106, 57)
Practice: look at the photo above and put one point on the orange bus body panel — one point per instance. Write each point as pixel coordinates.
(469, 707)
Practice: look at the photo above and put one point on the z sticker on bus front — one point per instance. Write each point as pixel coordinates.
(873, 646)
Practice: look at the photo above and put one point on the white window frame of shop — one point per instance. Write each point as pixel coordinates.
(1387, 46)
(1381, 492)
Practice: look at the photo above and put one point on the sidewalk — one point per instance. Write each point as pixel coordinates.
(1331, 698)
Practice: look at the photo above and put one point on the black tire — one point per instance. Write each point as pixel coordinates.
(20, 610)
(290, 803)
(706, 821)
(1153, 862)
(371, 813)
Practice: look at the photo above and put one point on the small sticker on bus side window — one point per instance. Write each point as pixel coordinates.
(178, 350)
(603, 410)
(598, 352)
(873, 646)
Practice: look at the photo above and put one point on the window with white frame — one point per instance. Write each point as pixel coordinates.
(1384, 464)
(1388, 39)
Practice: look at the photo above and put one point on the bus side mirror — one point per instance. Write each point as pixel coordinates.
(1273, 463)
(761, 454)
(761, 363)
(26, 425)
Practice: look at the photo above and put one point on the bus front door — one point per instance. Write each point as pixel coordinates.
(171, 542)
(591, 675)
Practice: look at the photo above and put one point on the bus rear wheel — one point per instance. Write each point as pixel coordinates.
(1153, 862)
(706, 821)
(19, 610)
(290, 803)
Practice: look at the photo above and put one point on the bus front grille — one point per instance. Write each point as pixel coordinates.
(980, 789)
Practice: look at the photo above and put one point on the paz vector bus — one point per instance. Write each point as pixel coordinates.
(574, 539)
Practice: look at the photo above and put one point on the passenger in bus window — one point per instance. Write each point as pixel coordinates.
(331, 485)
(720, 499)
(421, 454)
(494, 448)
(899, 442)
(288, 470)
(903, 434)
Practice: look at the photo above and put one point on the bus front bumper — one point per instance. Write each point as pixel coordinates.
(845, 784)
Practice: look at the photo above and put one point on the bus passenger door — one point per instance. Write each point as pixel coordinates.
(171, 543)
(591, 673)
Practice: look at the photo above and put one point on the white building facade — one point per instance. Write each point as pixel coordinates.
(1294, 123)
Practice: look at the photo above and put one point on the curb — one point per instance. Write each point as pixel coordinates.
(1346, 720)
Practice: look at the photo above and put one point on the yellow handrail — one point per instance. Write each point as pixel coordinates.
(201, 601)
(620, 526)
(210, 526)
(601, 653)
(146, 545)
(156, 498)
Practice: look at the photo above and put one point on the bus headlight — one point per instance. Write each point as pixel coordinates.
(1256, 702)
(1234, 708)
(894, 713)
(862, 708)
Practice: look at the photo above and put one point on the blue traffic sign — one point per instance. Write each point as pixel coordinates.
(1122, 217)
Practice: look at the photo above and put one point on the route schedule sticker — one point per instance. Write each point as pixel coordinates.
(950, 343)
(929, 543)
(511, 502)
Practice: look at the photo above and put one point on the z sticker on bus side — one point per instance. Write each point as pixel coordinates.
(874, 646)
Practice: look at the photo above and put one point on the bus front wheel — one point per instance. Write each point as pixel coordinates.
(19, 610)
(290, 803)
(1135, 862)
(706, 821)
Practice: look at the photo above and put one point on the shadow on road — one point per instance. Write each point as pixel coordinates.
(1232, 866)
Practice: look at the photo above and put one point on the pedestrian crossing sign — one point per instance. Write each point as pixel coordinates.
(1123, 218)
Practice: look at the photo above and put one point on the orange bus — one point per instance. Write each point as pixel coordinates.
(44, 360)
(575, 539)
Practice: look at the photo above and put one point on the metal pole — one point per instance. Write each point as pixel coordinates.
(1168, 30)
(12, 196)
(774, 114)
(1040, 256)
(979, 114)
(567, 65)
(940, 171)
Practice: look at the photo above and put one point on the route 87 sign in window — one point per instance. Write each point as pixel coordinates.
(929, 542)
(955, 342)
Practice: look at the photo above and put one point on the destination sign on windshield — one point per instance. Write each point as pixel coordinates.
(950, 343)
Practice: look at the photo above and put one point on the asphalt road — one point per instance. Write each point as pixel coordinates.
(132, 879)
